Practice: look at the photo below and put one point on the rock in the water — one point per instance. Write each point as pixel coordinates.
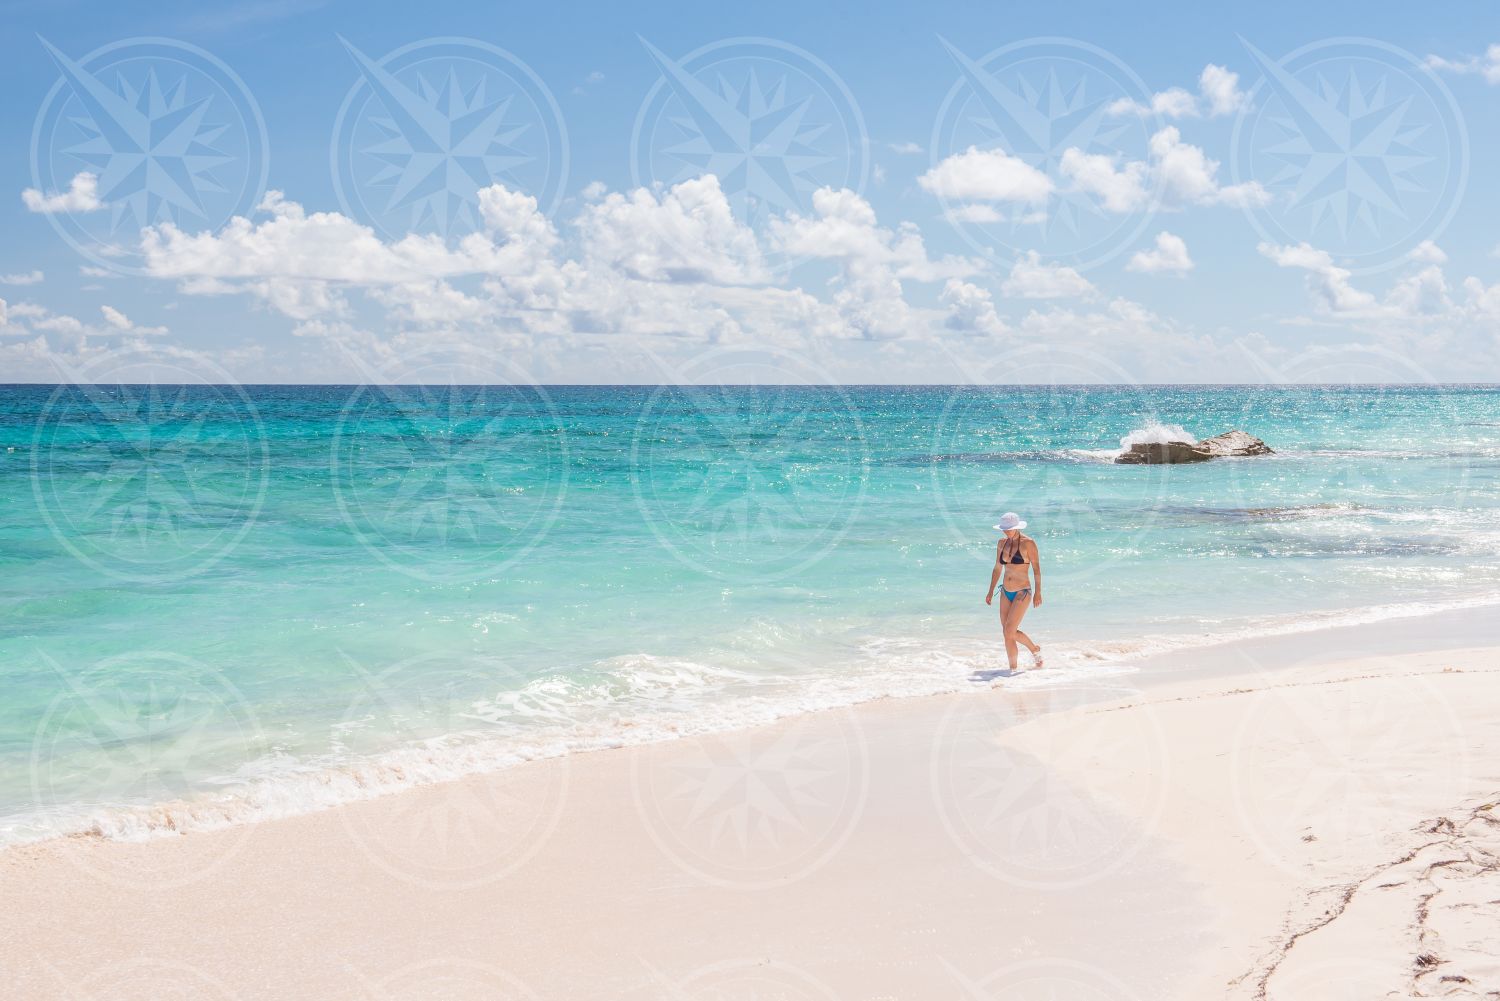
(1230, 443)
(1234, 443)
(1153, 453)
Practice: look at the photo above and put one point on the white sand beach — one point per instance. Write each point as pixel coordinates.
(1282, 827)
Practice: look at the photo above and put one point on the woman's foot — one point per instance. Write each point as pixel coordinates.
(1036, 655)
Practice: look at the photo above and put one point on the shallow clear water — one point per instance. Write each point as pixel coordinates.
(260, 600)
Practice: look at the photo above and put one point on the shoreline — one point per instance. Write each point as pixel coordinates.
(1000, 819)
(1099, 670)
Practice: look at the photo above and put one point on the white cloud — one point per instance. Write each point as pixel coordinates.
(1420, 296)
(119, 321)
(82, 196)
(1487, 65)
(689, 234)
(1218, 94)
(1220, 89)
(1033, 278)
(1121, 187)
(986, 176)
(971, 309)
(29, 317)
(1176, 174)
(4, 314)
(329, 247)
(1329, 281)
(674, 263)
(1169, 256)
(1428, 252)
(874, 260)
(905, 148)
(974, 213)
(1185, 174)
(22, 278)
(1171, 103)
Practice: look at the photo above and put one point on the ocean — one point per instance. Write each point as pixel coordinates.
(229, 603)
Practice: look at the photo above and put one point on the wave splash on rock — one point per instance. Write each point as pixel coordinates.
(1158, 449)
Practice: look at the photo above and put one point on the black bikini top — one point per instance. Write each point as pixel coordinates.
(1015, 557)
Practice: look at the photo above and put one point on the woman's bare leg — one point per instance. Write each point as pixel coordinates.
(1011, 613)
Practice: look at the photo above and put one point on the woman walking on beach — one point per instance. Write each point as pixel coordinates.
(1016, 561)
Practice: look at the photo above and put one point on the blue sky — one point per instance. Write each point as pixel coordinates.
(1276, 192)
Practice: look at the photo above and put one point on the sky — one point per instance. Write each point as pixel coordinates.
(306, 192)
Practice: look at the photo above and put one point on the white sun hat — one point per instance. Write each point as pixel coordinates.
(1010, 521)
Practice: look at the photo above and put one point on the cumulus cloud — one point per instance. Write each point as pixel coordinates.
(674, 262)
(82, 196)
(1175, 174)
(1033, 278)
(22, 278)
(1171, 103)
(117, 320)
(1486, 66)
(1220, 90)
(30, 317)
(1428, 252)
(1218, 94)
(1420, 296)
(873, 260)
(1170, 256)
(971, 309)
(688, 234)
(1119, 185)
(1329, 281)
(974, 213)
(1185, 174)
(905, 148)
(977, 175)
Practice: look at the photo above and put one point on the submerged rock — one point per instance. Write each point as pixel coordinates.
(1230, 443)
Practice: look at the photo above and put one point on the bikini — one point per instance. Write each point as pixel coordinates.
(1016, 558)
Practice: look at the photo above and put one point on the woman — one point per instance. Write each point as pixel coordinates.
(1015, 560)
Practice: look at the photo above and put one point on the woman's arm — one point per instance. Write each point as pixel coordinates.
(989, 595)
(1036, 570)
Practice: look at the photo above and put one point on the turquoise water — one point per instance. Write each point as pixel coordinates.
(234, 602)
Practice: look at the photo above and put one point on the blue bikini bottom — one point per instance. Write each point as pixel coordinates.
(1013, 595)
